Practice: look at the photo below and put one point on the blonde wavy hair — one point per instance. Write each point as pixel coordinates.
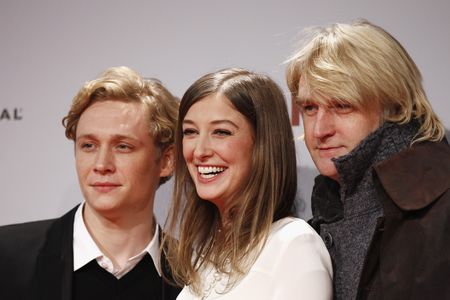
(267, 196)
(124, 84)
(363, 64)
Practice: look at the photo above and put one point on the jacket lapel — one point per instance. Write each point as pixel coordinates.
(416, 177)
(54, 268)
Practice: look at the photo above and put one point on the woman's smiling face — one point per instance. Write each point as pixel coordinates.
(217, 147)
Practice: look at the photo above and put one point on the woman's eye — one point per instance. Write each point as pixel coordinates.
(222, 132)
(188, 131)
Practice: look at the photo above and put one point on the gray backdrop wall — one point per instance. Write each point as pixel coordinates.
(48, 48)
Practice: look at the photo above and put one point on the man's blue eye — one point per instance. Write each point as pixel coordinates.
(343, 107)
(308, 108)
(87, 145)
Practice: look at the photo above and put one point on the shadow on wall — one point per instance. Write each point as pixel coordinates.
(447, 133)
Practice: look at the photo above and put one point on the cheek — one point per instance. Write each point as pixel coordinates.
(375, 123)
(307, 129)
(138, 164)
(308, 140)
(187, 151)
(242, 154)
(136, 170)
(188, 158)
(365, 127)
(82, 164)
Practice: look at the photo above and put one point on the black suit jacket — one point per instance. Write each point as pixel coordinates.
(36, 260)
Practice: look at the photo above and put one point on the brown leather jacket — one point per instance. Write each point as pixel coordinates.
(409, 256)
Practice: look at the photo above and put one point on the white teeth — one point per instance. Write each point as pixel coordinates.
(210, 170)
(207, 176)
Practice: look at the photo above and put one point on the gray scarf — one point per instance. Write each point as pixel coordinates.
(346, 213)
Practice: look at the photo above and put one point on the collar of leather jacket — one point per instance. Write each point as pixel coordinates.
(416, 177)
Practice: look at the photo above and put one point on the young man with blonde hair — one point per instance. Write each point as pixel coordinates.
(382, 201)
(123, 127)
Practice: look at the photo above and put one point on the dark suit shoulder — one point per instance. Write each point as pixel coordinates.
(20, 243)
(24, 240)
(34, 227)
(28, 251)
(18, 237)
(19, 247)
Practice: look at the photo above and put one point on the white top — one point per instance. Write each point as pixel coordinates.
(294, 264)
(85, 249)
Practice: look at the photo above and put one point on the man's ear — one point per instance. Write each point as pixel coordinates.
(167, 162)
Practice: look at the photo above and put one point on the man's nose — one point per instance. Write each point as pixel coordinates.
(324, 124)
(104, 162)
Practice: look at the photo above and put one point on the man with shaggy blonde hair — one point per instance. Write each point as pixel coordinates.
(382, 201)
(123, 127)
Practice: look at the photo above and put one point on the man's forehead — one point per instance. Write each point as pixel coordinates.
(305, 95)
(113, 118)
(303, 90)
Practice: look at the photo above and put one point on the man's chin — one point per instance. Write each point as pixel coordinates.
(328, 171)
(102, 205)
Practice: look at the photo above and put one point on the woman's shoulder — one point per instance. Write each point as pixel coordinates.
(291, 233)
(292, 236)
(291, 242)
(290, 228)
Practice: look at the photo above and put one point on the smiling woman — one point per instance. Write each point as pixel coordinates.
(235, 185)
(217, 148)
